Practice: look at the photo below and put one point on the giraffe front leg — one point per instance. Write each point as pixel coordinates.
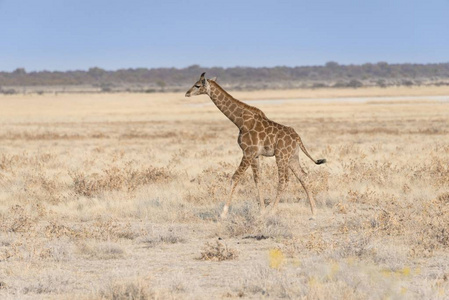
(244, 164)
(256, 173)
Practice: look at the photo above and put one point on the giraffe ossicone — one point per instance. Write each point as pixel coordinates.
(258, 136)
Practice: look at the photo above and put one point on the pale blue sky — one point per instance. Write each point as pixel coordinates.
(78, 34)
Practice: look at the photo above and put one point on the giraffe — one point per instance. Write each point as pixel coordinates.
(258, 136)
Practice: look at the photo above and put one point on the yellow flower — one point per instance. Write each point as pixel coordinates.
(406, 271)
(276, 258)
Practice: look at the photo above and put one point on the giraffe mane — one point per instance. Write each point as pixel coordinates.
(247, 106)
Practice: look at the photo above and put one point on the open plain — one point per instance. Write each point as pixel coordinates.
(117, 196)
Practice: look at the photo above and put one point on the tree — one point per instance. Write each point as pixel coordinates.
(332, 65)
(160, 83)
(19, 71)
(96, 73)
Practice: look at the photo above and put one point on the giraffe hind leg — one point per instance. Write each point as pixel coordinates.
(296, 169)
(282, 164)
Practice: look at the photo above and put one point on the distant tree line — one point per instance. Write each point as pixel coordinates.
(331, 74)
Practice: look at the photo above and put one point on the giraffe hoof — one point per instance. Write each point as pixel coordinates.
(224, 213)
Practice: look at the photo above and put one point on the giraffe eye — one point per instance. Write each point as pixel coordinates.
(197, 86)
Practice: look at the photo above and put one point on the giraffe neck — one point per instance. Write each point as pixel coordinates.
(230, 107)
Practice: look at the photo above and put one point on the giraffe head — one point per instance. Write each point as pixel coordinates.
(200, 87)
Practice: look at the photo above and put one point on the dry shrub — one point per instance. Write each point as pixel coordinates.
(218, 252)
(340, 208)
(390, 223)
(208, 214)
(242, 220)
(316, 243)
(349, 150)
(102, 250)
(291, 247)
(376, 172)
(200, 136)
(115, 179)
(437, 170)
(60, 250)
(367, 197)
(31, 249)
(177, 157)
(8, 162)
(44, 189)
(168, 236)
(49, 135)
(53, 283)
(34, 183)
(112, 230)
(56, 230)
(376, 130)
(11, 251)
(443, 198)
(264, 281)
(433, 232)
(313, 242)
(35, 136)
(213, 184)
(104, 230)
(318, 181)
(17, 220)
(246, 220)
(149, 136)
(355, 246)
(274, 227)
(128, 290)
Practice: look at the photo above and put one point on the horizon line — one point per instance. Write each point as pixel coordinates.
(221, 67)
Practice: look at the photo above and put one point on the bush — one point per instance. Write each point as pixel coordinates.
(9, 92)
(318, 85)
(381, 83)
(355, 83)
(407, 82)
(218, 252)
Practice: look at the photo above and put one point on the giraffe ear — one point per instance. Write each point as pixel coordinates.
(213, 79)
(203, 78)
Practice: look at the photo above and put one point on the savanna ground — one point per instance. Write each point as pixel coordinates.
(117, 196)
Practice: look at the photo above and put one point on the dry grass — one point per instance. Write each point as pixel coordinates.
(124, 178)
(125, 291)
(162, 235)
(115, 196)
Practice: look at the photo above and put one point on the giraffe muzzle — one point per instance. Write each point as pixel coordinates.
(188, 94)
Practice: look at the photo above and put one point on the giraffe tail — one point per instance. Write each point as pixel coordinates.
(320, 161)
(303, 148)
